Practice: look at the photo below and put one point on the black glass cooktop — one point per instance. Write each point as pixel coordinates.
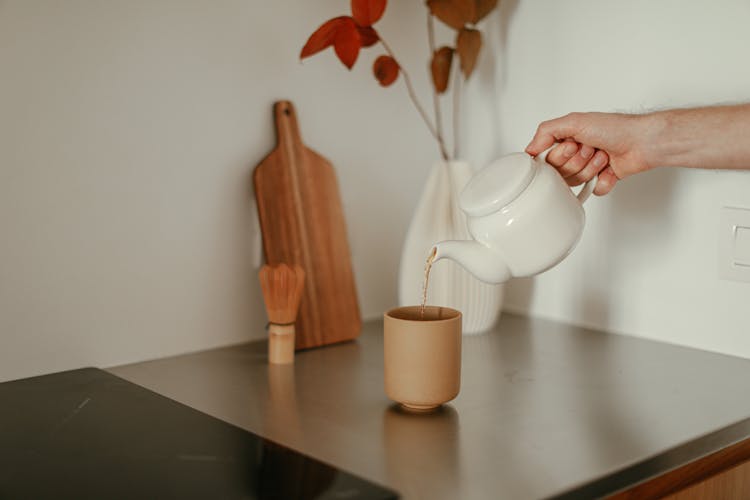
(89, 434)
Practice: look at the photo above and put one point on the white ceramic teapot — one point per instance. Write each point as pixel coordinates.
(522, 216)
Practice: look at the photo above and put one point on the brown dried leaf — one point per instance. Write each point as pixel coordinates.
(386, 70)
(368, 36)
(483, 7)
(324, 36)
(367, 12)
(441, 68)
(454, 13)
(468, 45)
(347, 43)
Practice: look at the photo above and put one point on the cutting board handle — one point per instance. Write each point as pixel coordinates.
(287, 130)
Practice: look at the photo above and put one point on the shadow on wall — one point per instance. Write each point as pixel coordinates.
(500, 37)
(636, 217)
(494, 62)
(639, 213)
(255, 235)
(254, 243)
(492, 72)
(640, 216)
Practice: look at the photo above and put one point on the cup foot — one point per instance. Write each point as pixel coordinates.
(419, 408)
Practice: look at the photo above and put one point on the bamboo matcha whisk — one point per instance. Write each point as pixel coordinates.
(282, 290)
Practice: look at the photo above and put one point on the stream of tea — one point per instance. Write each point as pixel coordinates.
(426, 282)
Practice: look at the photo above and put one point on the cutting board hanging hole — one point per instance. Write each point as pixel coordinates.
(287, 129)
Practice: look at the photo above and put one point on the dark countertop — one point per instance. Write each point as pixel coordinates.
(88, 434)
(545, 409)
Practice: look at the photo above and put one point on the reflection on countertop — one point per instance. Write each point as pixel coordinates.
(544, 408)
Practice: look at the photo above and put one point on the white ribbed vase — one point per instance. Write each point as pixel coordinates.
(438, 217)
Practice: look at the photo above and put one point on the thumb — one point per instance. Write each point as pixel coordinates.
(606, 181)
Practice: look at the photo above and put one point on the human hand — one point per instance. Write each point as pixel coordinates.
(607, 145)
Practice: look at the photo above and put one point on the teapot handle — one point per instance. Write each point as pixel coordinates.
(587, 188)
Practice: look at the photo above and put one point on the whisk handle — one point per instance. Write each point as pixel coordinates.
(281, 344)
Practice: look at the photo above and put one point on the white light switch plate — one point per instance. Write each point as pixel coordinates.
(734, 244)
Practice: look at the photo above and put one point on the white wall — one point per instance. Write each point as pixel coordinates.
(128, 133)
(647, 263)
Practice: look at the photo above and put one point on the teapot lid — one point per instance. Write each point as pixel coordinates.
(497, 184)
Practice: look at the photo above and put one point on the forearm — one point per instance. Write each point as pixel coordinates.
(711, 137)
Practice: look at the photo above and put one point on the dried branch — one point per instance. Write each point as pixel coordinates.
(435, 97)
(417, 104)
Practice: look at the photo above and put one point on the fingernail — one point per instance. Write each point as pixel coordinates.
(599, 161)
(569, 150)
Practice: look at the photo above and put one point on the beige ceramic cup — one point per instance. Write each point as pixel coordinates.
(422, 356)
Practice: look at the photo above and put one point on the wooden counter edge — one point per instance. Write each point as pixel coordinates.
(688, 475)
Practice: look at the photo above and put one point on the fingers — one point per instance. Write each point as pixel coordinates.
(576, 156)
(562, 153)
(579, 163)
(589, 169)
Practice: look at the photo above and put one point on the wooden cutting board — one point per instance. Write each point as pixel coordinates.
(302, 222)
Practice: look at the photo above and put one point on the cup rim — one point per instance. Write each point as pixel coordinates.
(456, 314)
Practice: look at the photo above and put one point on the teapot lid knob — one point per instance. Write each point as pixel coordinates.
(497, 184)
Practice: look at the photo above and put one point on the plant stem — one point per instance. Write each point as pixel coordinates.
(413, 97)
(456, 110)
(435, 97)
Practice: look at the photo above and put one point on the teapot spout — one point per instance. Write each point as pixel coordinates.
(485, 264)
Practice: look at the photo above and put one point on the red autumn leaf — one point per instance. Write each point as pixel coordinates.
(367, 12)
(324, 36)
(347, 43)
(386, 70)
(468, 44)
(483, 7)
(454, 13)
(368, 36)
(441, 68)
